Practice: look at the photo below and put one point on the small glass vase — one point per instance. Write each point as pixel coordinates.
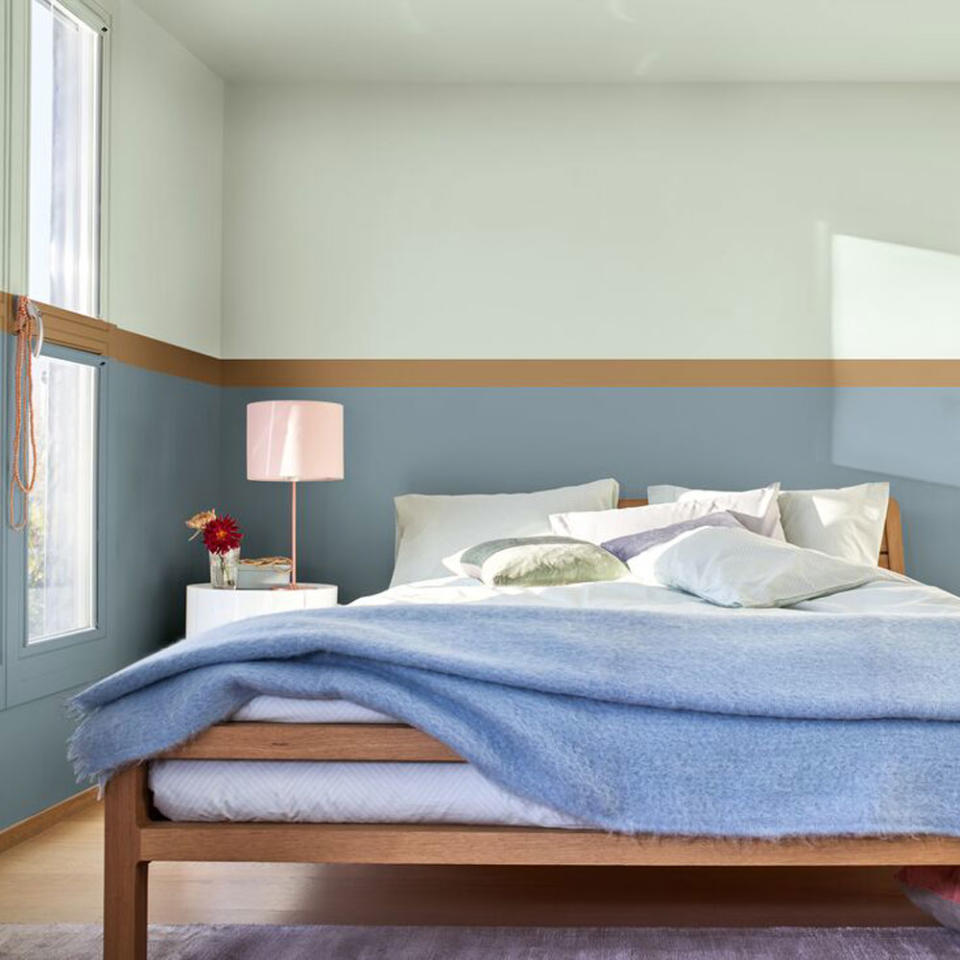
(224, 569)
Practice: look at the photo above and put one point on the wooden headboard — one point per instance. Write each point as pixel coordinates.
(891, 548)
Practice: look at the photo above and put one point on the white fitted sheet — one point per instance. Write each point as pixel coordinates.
(308, 792)
(437, 792)
(288, 710)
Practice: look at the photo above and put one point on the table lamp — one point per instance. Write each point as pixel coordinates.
(292, 441)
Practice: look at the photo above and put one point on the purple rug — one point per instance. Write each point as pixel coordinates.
(76, 942)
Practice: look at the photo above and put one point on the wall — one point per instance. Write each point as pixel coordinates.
(166, 163)
(164, 151)
(688, 221)
(508, 440)
(163, 144)
(163, 467)
(568, 221)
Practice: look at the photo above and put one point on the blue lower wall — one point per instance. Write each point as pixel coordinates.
(483, 440)
(176, 447)
(163, 466)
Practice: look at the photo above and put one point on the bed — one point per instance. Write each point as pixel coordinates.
(138, 833)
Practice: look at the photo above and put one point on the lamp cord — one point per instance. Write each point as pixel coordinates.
(24, 459)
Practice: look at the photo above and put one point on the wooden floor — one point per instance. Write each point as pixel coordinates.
(56, 877)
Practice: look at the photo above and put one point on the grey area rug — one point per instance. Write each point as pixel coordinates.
(82, 942)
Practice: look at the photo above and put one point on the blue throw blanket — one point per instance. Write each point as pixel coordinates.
(721, 723)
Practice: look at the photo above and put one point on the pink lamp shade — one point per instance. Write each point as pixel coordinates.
(294, 440)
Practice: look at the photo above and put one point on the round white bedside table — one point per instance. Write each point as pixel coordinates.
(208, 608)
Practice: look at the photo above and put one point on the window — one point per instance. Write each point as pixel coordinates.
(64, 174)
(53, 603)
(62, 526)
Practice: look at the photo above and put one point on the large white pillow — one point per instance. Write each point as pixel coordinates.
(847, 522)
(736, 568)
(640, 550)
(756, 509)
(659, 493)
(430, 528)
(772, 528)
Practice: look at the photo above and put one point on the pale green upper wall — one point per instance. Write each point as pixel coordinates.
(568, 221)
(677, 220)
(164, 145)
(166, 163)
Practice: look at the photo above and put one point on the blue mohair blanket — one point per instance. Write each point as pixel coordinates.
(722, 723)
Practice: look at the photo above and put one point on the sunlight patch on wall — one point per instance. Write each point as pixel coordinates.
(893, 301)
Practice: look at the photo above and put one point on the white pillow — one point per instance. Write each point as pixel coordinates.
(847, 522)
(640, 551)
(756, 509)
(736, 568)
(771, 527)
(667, 493)
(430, 528)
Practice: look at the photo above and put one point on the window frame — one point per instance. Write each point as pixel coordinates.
(15, 103)
(35, 670)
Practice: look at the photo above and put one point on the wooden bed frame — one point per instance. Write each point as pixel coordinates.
(137, 835)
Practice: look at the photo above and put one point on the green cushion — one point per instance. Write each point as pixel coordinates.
(539, 562)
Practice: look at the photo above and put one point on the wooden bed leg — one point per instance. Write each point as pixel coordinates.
(125, 874)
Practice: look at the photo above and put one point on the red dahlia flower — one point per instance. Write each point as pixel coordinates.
(221, 535)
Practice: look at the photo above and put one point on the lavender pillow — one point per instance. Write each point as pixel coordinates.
(633, 544)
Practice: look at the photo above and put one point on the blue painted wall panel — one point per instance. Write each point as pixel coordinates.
(484, 440)
(177, 446)
(164, 466)
(900, 432)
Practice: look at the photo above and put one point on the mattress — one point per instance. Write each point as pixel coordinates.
(313, 792)
(286, 710)
(306, 791)
(309, 792)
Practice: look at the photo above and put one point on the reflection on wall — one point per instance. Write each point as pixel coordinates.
(893, 301)
(899, 431)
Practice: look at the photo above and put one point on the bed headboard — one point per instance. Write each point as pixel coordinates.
(891, 548)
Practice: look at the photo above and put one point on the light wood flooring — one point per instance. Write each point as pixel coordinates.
(56, 877)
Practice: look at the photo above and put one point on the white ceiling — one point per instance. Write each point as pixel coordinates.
(620, 41)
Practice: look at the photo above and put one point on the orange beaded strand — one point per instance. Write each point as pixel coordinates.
(23, 462)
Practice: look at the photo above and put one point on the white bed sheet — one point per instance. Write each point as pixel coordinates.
(307, 792)
(436, 792)
(288, 710)
(903, 595)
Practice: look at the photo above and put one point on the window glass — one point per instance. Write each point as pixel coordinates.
(61, 541)
(63, 256)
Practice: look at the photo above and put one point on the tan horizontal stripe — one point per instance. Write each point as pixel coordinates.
(590, 373)
(92, 335)
(98, 336)
(141, 351)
